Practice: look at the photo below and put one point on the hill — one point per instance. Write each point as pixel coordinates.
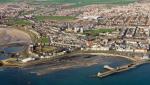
(75, 2)
(7, 1)
(143, 1)
(86, 2)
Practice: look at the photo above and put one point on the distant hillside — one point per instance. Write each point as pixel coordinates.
(86, 2)
(144, 1)
(7, 1)
(75, 2)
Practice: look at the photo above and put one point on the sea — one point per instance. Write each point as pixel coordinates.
(77, 76)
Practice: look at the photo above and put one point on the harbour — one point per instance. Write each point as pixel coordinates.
(74, 42)
(70, 74)
(111, 71)
(76, 76)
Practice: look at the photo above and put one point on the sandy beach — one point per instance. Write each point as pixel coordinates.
(68, 62)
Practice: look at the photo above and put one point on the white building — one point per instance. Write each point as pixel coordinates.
(91, 17)
(27, 59)
(145, 57)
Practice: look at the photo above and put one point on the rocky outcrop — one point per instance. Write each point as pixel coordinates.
(10, 35)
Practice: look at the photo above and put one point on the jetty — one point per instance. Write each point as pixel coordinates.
(110, 70)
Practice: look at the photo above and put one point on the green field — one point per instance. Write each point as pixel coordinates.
(44, 40)
(41, 18)
(48, 49)
(87, 2)
(20, 22)
(97, 31)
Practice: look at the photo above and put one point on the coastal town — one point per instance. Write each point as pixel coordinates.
(61, 30)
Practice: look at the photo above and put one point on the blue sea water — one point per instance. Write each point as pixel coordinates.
(78, 76)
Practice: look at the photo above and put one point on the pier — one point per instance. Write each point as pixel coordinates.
(110, 71)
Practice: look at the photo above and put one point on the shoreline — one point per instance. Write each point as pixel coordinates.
(109, 54)
(67, 61)
(58, 66)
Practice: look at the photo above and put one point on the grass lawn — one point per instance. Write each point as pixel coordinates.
(41, 18)
(48, 49)
(44, 40)
(97, 31)
(22, 22)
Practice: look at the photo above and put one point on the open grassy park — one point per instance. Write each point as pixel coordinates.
(97, 31)
(44, 40)
(21, 22)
